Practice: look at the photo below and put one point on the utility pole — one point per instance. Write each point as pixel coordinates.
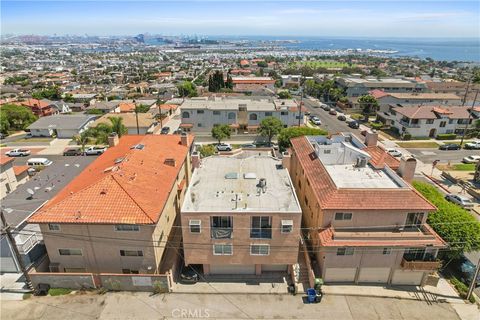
(469, 118)
(466, 92)
(302, 88)
(13, 245)
(474, 280)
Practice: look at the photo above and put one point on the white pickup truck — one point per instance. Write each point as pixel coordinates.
(18, 153)
(91, 151)
(474, 145)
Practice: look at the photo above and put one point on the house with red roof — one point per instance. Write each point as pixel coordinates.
(39, 108)
(118, 214)
(365, 222)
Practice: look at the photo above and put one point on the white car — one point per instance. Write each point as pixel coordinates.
(475, 145)
(394, 153)
(95, 151)
(471, 159)
(462, 201)
(18, 153)
(224, 147)
(316, 121)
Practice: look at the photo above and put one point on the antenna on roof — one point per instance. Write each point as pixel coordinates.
(30, 194)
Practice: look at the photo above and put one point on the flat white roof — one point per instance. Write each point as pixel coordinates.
(348, 176)
(232, 184)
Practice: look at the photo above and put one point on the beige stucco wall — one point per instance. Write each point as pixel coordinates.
(7, 176)
(198, 248)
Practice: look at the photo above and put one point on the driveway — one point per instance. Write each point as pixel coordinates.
(127, 305)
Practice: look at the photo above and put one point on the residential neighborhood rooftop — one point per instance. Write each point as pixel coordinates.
(219, 103)
(62, 122)
(233, 184)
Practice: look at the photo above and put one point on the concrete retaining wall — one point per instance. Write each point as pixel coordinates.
(135, 282)
(64, 280)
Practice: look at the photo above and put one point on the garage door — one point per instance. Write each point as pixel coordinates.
(274, 267)
(374, 275)
(232, 269)
(340, 274)
(406, 277)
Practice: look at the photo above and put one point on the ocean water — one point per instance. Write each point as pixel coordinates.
(438, 49)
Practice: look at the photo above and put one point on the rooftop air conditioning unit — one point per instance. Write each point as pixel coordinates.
(361, 162)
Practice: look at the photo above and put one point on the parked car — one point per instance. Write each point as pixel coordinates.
(72, 152)
(18, 153)
(249, 145)
(394, 152)
(450, 146)
(475, 145)
(325, 107)
(332, 112)
(307, 113)
(471, 159)
(224, 147)
(91, 151)
(353, 124)
(188, 276)
(462, 201)
(342, 117)
(316, 121)
(165, 130)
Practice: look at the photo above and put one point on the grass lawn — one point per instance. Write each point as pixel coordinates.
(58, 291)
(39, 139)
(418, 144)
(464, 167)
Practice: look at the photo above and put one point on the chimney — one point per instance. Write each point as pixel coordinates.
(184, 139)
(286, 160)
(407, 168)
(196, 159)
(371, 138)
(113, 139)
(170, 162)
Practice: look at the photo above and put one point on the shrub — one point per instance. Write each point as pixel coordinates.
(446, 136)
(58, 291)
(207, 150)
(376, 125)
(407, 136)
(293, 132)
(356, 116)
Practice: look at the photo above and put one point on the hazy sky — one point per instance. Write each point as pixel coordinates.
(385, 18)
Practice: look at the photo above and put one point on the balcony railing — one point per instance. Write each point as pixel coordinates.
(409, 125)
(221, 233)
(420, 265)
(27, 242)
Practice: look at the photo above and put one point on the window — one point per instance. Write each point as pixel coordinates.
(127, 227)
(231, 115)
(253, 116)
(287, 226)
(199, 125)
(160, 239)
(200, 111)
(53, 227)
(221, 227)
(261, 228)
(268, 114)
(70, 252)
(414, 220)
(327, 151)
(345, 251)
(429, 121)
(185, 115)
(216, 113)
(343, 216)
(129, 271)
(260, 249)
(131, 253)
(284, 113)
(195, 226)
(443, 124)
(386, 251)
(222, 249)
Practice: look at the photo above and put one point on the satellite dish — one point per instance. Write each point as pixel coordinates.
(30, 192)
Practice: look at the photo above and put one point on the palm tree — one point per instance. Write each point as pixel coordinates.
(118, 126)
(82, 140)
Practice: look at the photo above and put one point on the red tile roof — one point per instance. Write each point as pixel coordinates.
(4, 160)
(327, 239)
(430, 112)
(329, 197)
(133, 191)
(377, 93)
(18, 170)
(380, 158)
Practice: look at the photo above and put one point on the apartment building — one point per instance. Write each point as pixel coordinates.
(429, 99)
(117, 215)
(11, 176)
(356, 86)
(427, 121)
(242, 115)
(241, 216)
(368, 224)
(253, 84)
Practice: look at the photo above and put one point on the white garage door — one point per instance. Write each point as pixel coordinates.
(274, 267)
(406, 277)
(232, 269)
(374, 275)
(340, 274)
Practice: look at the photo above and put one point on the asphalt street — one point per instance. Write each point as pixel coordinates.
(429, 155)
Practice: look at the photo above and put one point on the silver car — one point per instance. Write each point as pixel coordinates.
(462, 201)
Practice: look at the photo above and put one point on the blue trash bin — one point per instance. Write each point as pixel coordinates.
(311, 295)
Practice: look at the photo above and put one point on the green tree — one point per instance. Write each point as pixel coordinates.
(378, 72)
(68, 98)
(284, 95)
(270, 127)
(288, 133)
(82, 139)
(117, 126)
(215, 81)
(455, 225)
(262, 64)
(4, 124)
(187, 89)
(369, 104)
(51, 93)
(94, 111)
(142, 108)
(18, 117)
(229, 83)
(221, 132)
